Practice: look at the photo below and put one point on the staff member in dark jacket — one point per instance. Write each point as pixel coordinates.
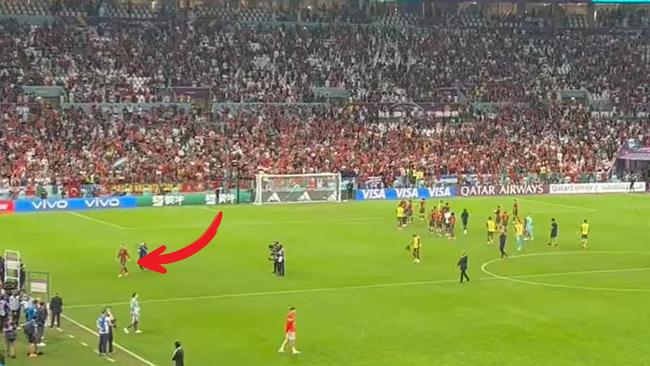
(179, 355)
(56, 307)
(462, 265)
(41, 320)
(280, 259)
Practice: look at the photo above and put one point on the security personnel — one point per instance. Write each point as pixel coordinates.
(462, 265)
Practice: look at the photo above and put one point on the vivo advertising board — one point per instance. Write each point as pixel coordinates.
(405, 193)
(74, 204)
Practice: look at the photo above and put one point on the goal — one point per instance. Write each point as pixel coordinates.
(297, 188)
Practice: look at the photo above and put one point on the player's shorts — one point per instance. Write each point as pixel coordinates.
(584, 236)
(553, 235)
(123, 262)
(432, 223)
(490, 233)
(135, 318)
(291, 336)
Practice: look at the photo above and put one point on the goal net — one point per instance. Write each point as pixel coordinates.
(297, 188)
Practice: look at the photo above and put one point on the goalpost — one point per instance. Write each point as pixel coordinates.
(297, 188)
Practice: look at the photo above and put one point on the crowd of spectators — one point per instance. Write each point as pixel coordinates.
(128, 62)
(162, 145)
(138, 62)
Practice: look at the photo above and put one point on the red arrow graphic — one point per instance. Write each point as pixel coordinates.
(156, 259)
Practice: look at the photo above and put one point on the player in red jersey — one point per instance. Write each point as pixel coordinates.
(409, 211)
(515, 209)
(504, 219)
(423, 209)
(290, 332)
(432, 220)
(123, 257)
(452, 226)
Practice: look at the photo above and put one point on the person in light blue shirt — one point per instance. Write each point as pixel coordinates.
(530, 234)
(103, 325)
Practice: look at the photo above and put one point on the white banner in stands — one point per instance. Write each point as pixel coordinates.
(590, 188)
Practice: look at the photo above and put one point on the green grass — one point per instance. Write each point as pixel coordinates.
(364, 303)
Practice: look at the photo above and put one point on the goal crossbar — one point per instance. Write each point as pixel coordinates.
(297, 188)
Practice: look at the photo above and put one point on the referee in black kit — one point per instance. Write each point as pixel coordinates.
(462, 265)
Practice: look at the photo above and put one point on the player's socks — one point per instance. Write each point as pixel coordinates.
(282, 346)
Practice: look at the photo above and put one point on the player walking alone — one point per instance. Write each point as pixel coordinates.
(553, 240)
(415, 246)
(135, 315)
(123, 257)
(464, 217)
(584, 233)
(290, 332)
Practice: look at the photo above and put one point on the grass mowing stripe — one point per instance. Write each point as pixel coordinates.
(132, 354)
(360, 287)
(97, 220)
(557, 204)
(266, 222)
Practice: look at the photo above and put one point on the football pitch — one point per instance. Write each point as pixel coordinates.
(360, 300)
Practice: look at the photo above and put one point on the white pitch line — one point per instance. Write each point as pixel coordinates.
(97, 220)
(110, 359)
(132, 354)
(267, 293)
(360, 287)
(558, 204)
(519, 279)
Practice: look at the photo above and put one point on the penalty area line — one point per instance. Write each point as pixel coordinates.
(97, 220)
(130, 353)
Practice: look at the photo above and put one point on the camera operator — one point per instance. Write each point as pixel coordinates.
(274, 248)
(280, 261)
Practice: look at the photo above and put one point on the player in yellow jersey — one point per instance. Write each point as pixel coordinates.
(584, 233)
(400, 216)
(519, 233)
(415, 245)
(491, 229)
